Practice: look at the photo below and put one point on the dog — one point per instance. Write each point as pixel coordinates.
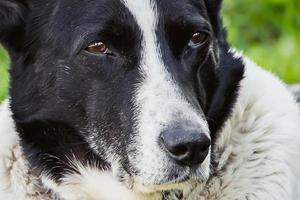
(139, 99)
(296, 90)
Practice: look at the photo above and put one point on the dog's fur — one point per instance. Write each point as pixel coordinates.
(296, 90)
(82, 126)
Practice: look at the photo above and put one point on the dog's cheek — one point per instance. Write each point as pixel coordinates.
(206, 82)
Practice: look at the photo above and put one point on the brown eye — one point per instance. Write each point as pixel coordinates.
(97, 47)
(198, 38)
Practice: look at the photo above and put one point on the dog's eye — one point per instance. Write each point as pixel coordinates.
(97, 47)
(198, 39)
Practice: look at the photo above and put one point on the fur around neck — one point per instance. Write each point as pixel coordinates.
(257, 153)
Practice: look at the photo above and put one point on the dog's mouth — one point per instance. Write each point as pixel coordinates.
(168, 176)
(168, 186)
(180, 183)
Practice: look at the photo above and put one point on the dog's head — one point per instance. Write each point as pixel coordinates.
(136, 87)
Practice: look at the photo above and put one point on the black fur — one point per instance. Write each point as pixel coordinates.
(12, 24)
(63, 98)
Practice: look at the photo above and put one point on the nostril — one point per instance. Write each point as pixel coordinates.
(180, 150)
(205, 146)
(174, 149)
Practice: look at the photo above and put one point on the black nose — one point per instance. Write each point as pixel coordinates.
(186, 147)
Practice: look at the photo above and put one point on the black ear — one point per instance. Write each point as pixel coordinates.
(228, 71)
(221, 81)
(12, 23)
(229, 74)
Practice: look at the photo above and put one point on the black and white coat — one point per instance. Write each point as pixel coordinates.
(139, 100)
(257, 153)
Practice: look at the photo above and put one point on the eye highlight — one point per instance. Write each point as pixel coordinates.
(97, 48)
(198, 38)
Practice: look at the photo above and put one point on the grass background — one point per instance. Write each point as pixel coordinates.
(268, 31)
(3, 74)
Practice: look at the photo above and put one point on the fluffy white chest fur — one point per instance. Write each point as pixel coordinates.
(257, 154)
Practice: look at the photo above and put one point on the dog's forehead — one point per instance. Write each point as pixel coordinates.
(89, 13)
(73, 20)
(98, 10)
(166, 9)
(152, 15)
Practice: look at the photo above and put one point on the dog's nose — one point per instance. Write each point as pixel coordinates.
(186, 147)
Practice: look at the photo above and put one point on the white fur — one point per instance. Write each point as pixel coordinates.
(258, 153)
(159, 102)
(295, 88)
(92, 184)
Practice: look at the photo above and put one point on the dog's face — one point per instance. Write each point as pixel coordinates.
(132, 87)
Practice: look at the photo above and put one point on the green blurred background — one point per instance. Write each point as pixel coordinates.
(268, 31)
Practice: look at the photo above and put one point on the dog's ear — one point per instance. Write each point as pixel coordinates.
(13, 14)
(228, 77)
(226, 69)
